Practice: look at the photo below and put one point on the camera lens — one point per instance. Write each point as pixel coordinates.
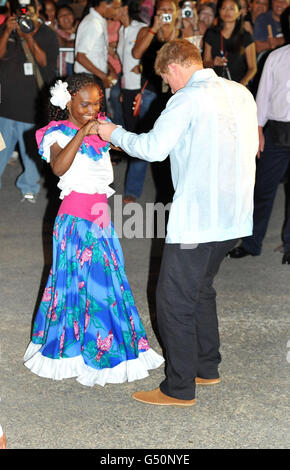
(26, 24)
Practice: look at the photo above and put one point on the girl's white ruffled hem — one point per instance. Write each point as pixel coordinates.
(64, 368)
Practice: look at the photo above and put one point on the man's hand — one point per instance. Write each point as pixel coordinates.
(107, 81)
(136, 69)
(275, 42)
(11, 24)
(22, 35)
(261, 141)
(105, 130)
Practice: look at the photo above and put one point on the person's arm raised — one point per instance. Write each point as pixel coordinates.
(166, 132)
(11, 24)
(145, 36)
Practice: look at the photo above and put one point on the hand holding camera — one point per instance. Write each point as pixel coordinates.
(187, 11)
(20, 19)
(11, 24)
(24, 21)
(189, 15)
(157, 24)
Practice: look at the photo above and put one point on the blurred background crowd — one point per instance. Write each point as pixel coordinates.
(117, 41)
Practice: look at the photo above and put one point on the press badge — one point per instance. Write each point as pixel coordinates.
(28, 68)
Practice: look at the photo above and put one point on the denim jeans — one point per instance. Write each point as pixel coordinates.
(137, 168)
(116, 105)
(23, 133)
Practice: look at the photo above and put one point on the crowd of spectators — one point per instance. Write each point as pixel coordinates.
(232, 34)
(117, 41)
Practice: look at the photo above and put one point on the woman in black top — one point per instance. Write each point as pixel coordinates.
(228, 48)
(150, 39)
(148, 42)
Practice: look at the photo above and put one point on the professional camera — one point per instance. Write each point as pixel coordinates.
(23, 17)
(166, 17)
(186, 11)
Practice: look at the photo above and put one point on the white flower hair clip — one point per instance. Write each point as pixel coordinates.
(60, 96)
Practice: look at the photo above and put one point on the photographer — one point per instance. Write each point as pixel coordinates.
(188, 18)
(228, 48)
(149, 40)
(28, 54)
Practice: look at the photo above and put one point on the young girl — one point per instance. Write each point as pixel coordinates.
(87, 325)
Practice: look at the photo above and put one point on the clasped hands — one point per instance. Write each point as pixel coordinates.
(103, 128)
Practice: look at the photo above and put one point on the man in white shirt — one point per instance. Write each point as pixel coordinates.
(273, 102)
(131, 74)
(209, 128)
(91, 45)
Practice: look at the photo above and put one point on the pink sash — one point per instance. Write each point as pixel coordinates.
(92, 207)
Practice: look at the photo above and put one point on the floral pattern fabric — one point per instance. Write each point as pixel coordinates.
(87, 310)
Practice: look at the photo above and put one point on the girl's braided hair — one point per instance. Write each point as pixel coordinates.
(75, 83)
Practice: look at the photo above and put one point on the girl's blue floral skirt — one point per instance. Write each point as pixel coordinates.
(87, 325)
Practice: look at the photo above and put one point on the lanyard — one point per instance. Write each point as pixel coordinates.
(223, 54)
(30, 59)
(222, 47)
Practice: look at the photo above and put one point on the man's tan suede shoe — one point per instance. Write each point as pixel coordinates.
(200, 381)
(156, 397)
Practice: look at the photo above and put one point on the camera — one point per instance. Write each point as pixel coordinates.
(23, 17)
(187, 12)
(166, 17)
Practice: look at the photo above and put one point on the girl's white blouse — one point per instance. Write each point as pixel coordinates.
(85, 175)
